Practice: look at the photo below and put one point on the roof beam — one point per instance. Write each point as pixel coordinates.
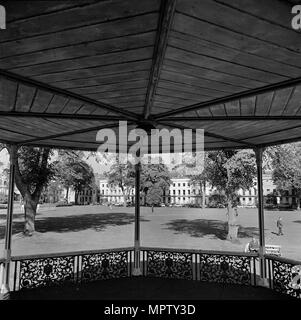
(54, 90)
(61, 116)
(279, 142)
(53, 146)
(235, 96)
(272, 132)
(232, 118)
(68, 133)
(213, 135)
(167, 12)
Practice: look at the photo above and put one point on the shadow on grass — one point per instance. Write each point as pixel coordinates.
(73, 223)
(15, 216)
(203, 227)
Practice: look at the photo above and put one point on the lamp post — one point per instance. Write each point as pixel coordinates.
(258, 153)
(137, 267)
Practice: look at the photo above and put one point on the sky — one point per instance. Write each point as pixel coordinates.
(98, 167)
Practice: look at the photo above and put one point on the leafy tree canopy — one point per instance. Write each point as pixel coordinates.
(72, 170)
(229, 171)
(154, 175)
(286, 164)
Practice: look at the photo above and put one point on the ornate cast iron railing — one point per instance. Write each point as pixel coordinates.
(211, 266)
(70, 268)
(284, 275)
(232, 268)
(169, 263)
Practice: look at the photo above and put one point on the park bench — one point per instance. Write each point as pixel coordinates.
(273, 250)
(270, 249)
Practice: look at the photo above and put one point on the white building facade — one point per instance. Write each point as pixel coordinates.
(183, 192)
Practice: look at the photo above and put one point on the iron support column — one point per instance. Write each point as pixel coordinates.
(8, 231)
(258, 153)
(137, 267)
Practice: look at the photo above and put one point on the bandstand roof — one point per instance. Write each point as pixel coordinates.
(70, 68)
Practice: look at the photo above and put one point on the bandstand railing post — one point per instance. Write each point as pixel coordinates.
(137, 264)
(262, 264)
(9, 220)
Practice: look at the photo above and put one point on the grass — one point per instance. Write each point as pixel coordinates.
(66, 229)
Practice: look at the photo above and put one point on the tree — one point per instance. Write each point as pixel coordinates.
(286, 164)
(51, 192)
(154, 196)
(200, 180)
(229, 171)
(32, 173)
(72, 171)
(123, 176)
(154, 177)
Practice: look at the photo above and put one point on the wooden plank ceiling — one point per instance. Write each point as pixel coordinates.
(70, 68)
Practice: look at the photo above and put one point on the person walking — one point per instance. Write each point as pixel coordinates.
(280, 226)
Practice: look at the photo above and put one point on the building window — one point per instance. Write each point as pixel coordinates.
(184, 184)
(179, 184)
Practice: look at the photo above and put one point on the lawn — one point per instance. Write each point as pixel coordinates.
(76, 228)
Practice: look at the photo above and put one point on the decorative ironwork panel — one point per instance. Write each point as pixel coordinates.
(286, 278)
(100, 266)
(176, 265)
(225, 268)
(48, 272)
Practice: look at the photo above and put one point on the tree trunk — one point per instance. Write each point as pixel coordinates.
(232, 222)
(76, 197)
(30, 199)
(124, 200)
(30, 206)
(204, 195)
(94, 195)
(67, 194)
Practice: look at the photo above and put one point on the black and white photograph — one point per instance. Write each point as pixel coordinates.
(150, 154)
